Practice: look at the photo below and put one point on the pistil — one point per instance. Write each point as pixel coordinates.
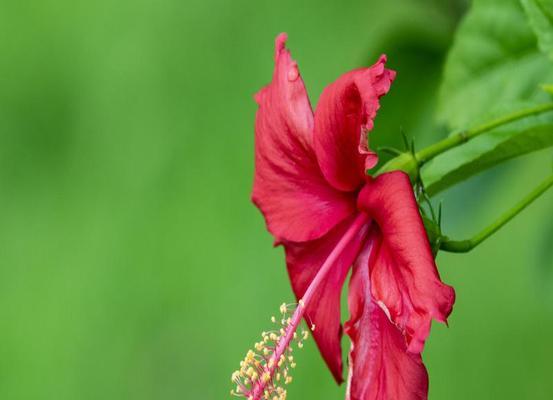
(266, 367)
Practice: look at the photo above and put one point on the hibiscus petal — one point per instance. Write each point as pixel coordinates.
(403, 272)
(289, 188)
(304, 261)
(380, 367)
(344, 115)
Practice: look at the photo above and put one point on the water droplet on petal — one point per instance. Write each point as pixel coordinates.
(293, 73)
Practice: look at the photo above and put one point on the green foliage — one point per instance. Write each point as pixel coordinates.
(518, 138)
(494, 66)
(540, 17)
(493, 62)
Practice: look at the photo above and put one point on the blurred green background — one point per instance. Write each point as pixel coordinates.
(133, 265)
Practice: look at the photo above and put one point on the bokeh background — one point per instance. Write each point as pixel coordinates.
(132, 263)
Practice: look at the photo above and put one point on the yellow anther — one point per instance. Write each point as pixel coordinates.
(260, 365)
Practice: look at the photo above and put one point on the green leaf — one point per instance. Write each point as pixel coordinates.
(548, 88)
(493, 63)
(483, 152)
(494, 66)
(540, 17)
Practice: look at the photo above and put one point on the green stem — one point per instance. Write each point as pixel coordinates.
(463, 246)
(459, 138)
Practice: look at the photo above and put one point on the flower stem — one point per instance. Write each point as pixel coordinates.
(359, 222)
(464, 246)
(442, 146)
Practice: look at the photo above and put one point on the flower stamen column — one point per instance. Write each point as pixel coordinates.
(269, 369)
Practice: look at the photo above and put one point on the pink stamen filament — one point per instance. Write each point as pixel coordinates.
(260, 385)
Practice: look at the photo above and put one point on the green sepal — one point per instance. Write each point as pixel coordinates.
(434, 233)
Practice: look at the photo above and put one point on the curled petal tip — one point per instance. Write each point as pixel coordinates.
(383, 77)
(286, 62)
(378, 67)
(280, 43)
(377, 70)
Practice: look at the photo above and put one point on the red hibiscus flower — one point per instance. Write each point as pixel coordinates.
(312, 188)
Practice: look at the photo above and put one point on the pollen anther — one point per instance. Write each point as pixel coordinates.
(269, 364)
